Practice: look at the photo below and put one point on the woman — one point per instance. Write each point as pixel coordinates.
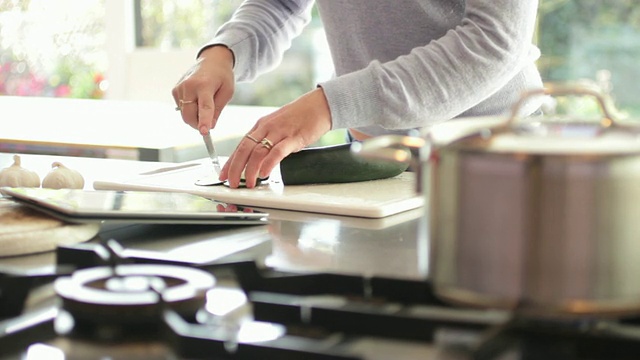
(399, 65)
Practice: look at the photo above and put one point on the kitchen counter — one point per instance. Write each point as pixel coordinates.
(341, 287)
(133, 130)
(292, 241)
(301, 241)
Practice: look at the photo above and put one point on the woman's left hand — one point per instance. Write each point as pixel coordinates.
(273, 137)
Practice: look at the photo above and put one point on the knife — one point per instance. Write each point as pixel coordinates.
(211, 179)
(208, 142)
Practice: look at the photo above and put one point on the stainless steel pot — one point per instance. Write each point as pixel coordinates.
(540, 215)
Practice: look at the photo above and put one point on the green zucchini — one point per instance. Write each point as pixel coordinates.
(334, 164)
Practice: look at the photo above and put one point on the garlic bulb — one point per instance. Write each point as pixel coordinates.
(61, 177)
(17, 176)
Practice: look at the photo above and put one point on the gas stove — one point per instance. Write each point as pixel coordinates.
(235, 308)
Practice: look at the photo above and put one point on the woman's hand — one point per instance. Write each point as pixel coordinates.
(273, 137)
(206, 88)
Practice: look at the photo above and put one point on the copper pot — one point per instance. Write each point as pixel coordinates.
(539, 214)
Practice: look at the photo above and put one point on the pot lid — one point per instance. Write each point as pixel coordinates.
(549, 135)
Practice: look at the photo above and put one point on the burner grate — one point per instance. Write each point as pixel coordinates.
(375, 318)
(292, 316)
(582, 339)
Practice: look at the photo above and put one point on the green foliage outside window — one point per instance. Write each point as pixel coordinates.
(42, 57)
(596, 40)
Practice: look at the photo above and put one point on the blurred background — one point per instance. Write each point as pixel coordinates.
(138, 49)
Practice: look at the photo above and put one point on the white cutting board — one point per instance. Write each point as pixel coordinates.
(369, 199)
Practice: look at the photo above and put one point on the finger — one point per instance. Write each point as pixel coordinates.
(276, 155)
(247, 142)
(175, 95)
(189, 111)
(221, 99)
(186, 105)
(205, 111)
(176, 98)
(231, 208)
(255, 163)
(224, 172)
(279, 151)
(234, 167)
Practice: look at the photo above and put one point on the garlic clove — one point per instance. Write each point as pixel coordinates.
(17, 176)
(62, 177)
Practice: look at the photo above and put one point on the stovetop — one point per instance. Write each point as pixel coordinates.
(102, 300)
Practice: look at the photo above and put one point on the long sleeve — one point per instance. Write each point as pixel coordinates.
(260, 31)
(478, 66)
(400, 64)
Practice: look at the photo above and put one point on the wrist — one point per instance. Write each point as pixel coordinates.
(219, 52)
(322, 106)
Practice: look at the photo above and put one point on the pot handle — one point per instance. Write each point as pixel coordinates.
(608, 119)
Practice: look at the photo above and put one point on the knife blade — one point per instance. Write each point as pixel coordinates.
(208, 142)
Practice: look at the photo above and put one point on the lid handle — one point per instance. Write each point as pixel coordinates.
(553, 90)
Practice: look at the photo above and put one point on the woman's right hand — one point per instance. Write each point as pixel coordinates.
(206, 88)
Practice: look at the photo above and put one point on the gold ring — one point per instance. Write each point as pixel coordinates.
(182, 102)
(266, 143)
(252, 138)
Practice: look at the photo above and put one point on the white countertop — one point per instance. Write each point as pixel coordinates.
(135, 130)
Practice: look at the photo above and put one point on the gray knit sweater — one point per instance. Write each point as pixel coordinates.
(400, 64)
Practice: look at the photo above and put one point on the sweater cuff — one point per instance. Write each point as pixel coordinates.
(240, 49)
(233, 54)
(354, 99)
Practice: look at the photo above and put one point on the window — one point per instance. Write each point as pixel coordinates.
(594, 41)
(137, 49)
(52, 48)
(170, 25)
(179, 24)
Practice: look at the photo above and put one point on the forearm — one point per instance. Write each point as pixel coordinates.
(442, 79)
(260, 32)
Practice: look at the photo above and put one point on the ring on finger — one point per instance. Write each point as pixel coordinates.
(248, 136)
(266, 143)
(183, 102)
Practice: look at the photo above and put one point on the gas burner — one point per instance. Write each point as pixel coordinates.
(127, 296)
(283, 315)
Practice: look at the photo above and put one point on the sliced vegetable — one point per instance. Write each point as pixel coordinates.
(334, 164)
